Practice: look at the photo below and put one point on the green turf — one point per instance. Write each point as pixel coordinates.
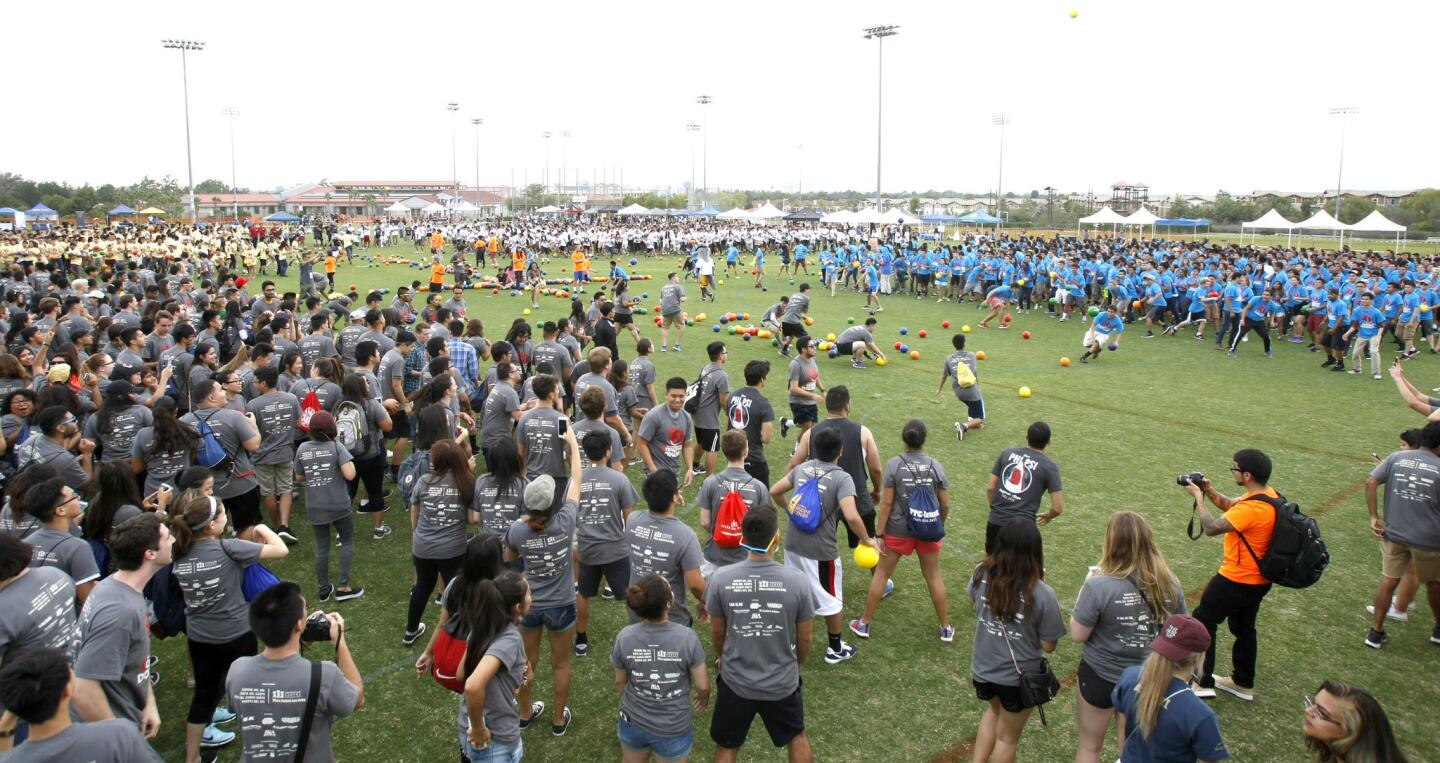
(1124, 427)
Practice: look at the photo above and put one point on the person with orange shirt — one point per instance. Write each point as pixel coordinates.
(437, 242)
(437, 275)
(330, 262)
(582, 265)
(517, 266)
(1235, 592)
(479, 247)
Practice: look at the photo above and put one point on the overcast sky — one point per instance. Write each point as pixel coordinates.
(1187, 97)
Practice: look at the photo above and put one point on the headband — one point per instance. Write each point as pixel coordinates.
(214, 509)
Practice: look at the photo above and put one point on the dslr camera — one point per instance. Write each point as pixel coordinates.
(317, 629)
(1193, 478)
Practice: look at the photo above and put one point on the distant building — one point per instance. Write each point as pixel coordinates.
(350, 198)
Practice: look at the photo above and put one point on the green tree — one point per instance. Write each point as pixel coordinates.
(1354, 208)
(1179, 207)
(369, 200)
(1424, 208)
(914, 205)
(212, 186)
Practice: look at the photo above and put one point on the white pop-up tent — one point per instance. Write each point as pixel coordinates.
(767, 211)
(839, 217)
(1271, 220)
(1322, 220)
(1106, 216)
(735, 214)
(1142, 217)
(397, 209)
(1378, 223)
(633, 209)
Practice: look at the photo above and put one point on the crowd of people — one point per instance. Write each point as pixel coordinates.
(146, 372)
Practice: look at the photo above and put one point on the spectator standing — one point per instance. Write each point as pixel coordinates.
(657, 663)
(440, 509)
(606, 501)
(714, 397)
(1019, 478)
(664, 439)
(324, 467)
(1163, 719)
(663, 545)
(1409, 533)
(238, 437)
(751, 412)
(38, 688)
(275, 414)
(714, 491)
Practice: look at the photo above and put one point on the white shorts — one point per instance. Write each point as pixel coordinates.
(826, 582)
(1092, 338)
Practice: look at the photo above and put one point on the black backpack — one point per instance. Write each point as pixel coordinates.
(1297, 556)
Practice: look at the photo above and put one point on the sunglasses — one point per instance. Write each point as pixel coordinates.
(1311, 704)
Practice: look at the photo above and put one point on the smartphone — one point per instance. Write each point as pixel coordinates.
(564, 426)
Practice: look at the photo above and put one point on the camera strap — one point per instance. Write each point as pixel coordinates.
(1194, 511)
(311, 700)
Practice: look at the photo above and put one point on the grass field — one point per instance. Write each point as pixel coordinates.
(1124, 427)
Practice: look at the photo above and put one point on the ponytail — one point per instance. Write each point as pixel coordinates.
(193, 511)
(491, 610)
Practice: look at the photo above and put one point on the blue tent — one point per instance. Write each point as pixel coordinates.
(282, 217)
(1184, 222)
(707, 211)
(40, 211)
(940, 218)
(120, 211)
(979, 217)
(8, 212)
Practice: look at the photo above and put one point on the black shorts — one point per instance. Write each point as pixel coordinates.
(1009, 696)
(760, 470)
(617, 574)
(730, 724)
(803, 412)
(1336, 339)
(624, 320)
(1158, 312)
(792, 329)
(1095, 689)
(244, 510)
(991, 530)
(845, 348)
(866, 519)
(399, 425)
(434, 287)
(708, 439)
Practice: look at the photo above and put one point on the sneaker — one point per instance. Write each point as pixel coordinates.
(325, 592)
(287, 536)
(1328, 362)
(1203, 692)
(856, 364)
(1355, 371)
(1149, 335)
(1268, 355)
(1231, 353)
(1377, 376)
(947, 633)
(1392, 614)
(833, 657)
(608, 593)
(889, 589)
(960, 430)
(1376, 639)
(221, 715)
(860, 628)
(785, 425)
(635, 462)
(383, 531)
(559, 729)
(698, 471)
(537, 708)
(1085, 359)
(1338, 368)
(412, 636)
(1435, 635)
(675, 347)
(582, 648)
(663, 348)
(1226, 684)
(350, 595)
(215, 736)
(784, 352)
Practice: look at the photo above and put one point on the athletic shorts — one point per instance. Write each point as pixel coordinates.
(792, 329)
(845, 348)
(1158, 313)
(826, 582)
(1093, 688)
(617, 575)
(1009, 696)
(995, 303)
(708, 439)
(760, 470)
(624, 320)
(678, 319)
(399, 425)
(908, 546)
(1093, 337)
(729, 725)
(1315, 323)
(275, 479)
(803, 412)
(1396, 557)
(975, 408)
(244, 510)
(867, 518)
(1405, 331)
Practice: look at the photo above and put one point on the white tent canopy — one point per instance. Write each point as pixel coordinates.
(1141, 216)
(397, 209)
(1322, 220)
(874, 215)
(767, 212)
(548, 209)
(416, 202)
(1106, 216)
(435, 208)
(463, 206)
(732, 214)
(1271, 220)
(840, 216)
(1378, 223)
(634, 209)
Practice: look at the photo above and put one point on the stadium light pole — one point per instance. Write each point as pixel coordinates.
(694, 195)
(232, 112)
(182, 46)
(879, 33)
(1000, 120)
(477, 122)
(546, 135)
(453, 107)
(704, 101)
(1050, 206)
(799, 170)
(1344, 113)
(564, 158)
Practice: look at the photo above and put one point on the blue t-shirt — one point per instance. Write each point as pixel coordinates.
(1368, 321)
(1185, 731)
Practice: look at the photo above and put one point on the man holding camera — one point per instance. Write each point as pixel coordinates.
(287, 703)
(1235, 592)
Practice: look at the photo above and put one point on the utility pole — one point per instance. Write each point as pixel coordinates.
(704, 101)
(1000, 120)
(1050, 206)
(546, 135)
(182, 46)
(1344, 113)
(453, 107)
(232, 112)
(564, 160)
(477, 122)
(879, 33)
(694, 195)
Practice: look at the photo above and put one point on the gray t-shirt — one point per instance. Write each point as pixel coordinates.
(161, 467)
(540, 431)
(990, 660)
(1412, 498)
(391, 374)
(761, 602)
(795, 309)
(270, 695)
(275, 414)
(612, 403)
(546, 555)
(804, 371)
(605, 496)
(586, 426)
(495, 419)
(39, 609)
(327, 499)
(905, 473)
(65, 552)
(40, 449)
(835, 486)
(1117, 611)
(210, 577)
(972, 392)
(665, 546)
(670, 296)
(124, 423)
(327, 393)
(314, 347)
(714, 383)
(666, 433)
(502, 713)
(1025, 476)
(115, 646)
(712, 493)
(440, 529)
(641, 375)
(855, 334)
(659, 658)
(499, 505)
(112, 741)
(556, 355)
(231, 428)
(383, 343)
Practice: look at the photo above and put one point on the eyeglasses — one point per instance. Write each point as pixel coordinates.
(70, 420)
(1320, 712)
(1237, 470)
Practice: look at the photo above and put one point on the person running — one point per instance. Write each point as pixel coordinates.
(1017, 622)
(1103, 332)
(904, 477)
(1255, 316)
(1116, 617)
(961, 369)
(805, 391)
(1163, 718)
(792, 321)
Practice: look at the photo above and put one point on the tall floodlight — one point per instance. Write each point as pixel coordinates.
(232, 113)
(1000, 120)
(547, 135)
(1344, 113)
(453, 107)
(477, 122)
(692, 129)
(704, 101)
(182, 46)
(564, 158)
(879, 33)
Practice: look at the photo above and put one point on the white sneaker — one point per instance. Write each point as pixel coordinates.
(1393, 614)
(1203, 692)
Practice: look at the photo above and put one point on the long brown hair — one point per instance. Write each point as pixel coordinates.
(1368, 736)
(329, 369)
(447, 457)
(193, 510)
(492, 609)
(1130, 552)
(1011, 571)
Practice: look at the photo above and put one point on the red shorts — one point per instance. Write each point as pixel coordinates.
(907, 546)
(1316, 323)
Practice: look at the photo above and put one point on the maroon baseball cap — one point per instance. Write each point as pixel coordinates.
(322, 422)
(1181, 636)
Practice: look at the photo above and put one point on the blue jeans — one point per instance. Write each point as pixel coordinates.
(633, 737)
(495, 752)
(555, 619)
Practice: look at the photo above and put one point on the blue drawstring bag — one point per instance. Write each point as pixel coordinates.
(806, 509)
(257, 579)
